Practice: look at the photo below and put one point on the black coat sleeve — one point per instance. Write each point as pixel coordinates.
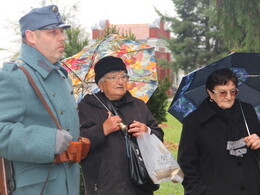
(253, 122)
(188, 157)
(91, 124)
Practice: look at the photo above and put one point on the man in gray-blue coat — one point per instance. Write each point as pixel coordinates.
(28, 136)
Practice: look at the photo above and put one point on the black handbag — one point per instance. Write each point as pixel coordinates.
(138, 172)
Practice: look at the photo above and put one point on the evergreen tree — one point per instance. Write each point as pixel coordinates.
(196, 39)
(158, 102)
(240, 23)
(75, 42)
(77, 37)
(113, 30)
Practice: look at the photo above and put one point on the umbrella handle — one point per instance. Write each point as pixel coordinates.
(122, 125)
(247, 128)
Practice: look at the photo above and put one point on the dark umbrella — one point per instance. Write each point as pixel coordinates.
(192, 91)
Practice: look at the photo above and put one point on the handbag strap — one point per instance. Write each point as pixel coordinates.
(36, 89)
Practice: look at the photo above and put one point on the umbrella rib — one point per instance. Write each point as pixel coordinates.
(73, 72)
(138, 50)
(101, 102)
(143, 81)
(250, 75)
(94, 55)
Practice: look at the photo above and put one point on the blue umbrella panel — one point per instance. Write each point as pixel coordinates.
(192, 91)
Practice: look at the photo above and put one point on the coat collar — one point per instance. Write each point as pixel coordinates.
(91, 99)
(33, 58)
(205, 111)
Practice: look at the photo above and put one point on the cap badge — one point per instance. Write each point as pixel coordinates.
(54, 9)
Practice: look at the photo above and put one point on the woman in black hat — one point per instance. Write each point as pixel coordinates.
(106, 169)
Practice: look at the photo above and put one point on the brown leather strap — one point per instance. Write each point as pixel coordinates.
(40, 96)
(36, 89)
(3, 183)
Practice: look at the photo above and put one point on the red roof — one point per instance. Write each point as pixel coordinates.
(141, 31)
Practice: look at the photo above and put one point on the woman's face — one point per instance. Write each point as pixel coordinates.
(114, 85)
(224, 95)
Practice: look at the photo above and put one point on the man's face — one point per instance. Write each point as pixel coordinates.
(50, 43)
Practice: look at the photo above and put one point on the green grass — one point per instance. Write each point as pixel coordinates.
(172, 130)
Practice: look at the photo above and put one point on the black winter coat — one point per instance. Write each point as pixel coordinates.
(106, 168)
(208, 167)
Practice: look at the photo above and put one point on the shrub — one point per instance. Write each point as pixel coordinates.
(158, 102)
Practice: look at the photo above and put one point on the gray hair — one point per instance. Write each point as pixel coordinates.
(103, 77)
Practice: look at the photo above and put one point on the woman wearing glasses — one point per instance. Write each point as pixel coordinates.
(106, 169)
(216, 154)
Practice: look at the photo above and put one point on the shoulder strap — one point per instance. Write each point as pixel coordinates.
(9, 66)
(36, 89)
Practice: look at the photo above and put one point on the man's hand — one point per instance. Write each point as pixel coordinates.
(63, 139)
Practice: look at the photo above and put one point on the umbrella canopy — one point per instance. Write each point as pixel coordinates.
(192, 90)
(138, 57)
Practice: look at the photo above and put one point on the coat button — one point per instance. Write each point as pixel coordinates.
(61, 111)
(239, 163)
(53, 94)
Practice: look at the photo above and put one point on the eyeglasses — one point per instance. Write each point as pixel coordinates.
(224, 93)
(114, 78)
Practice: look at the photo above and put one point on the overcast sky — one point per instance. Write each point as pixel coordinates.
(89, 14)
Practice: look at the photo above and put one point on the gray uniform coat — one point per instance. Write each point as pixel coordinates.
(27, 132)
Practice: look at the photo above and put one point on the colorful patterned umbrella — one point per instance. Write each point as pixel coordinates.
(192, 91)
(138, 57)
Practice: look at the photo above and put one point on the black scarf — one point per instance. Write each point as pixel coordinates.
(235, 141)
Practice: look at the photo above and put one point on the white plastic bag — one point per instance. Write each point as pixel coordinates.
(158, 160)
